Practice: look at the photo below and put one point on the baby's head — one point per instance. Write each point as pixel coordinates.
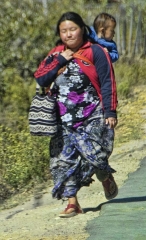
(104, 25)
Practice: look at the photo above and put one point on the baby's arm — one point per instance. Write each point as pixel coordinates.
(114, 55)
(113, 52)
(110, 47)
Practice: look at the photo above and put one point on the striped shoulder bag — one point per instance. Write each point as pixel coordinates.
(42, 113)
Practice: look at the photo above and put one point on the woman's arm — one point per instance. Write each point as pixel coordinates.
(47, 70)
(107, 81)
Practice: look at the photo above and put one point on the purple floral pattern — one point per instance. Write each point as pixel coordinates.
(62, 108)
(76, 97)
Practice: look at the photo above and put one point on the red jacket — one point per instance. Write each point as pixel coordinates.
(101, 73)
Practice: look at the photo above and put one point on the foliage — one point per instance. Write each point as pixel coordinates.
(129, 74)
(23, 158)
(130, 120)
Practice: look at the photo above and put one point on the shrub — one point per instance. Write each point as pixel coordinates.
(24, 158)
(128, 75)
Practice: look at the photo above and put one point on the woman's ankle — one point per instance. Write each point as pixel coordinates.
(73, 200)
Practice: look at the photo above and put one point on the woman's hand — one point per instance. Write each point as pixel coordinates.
(67, 54)
(112, 122)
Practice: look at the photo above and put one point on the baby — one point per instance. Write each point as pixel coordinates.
(103, 31)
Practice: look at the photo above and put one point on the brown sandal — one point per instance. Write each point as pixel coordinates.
(76, 210)
(110, 188)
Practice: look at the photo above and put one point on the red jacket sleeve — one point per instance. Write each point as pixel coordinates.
(48, 68)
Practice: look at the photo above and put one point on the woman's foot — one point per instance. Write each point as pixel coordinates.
(70, 211)
(73, 208)
(110, 188)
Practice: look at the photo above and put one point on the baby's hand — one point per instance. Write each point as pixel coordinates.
(106, 49)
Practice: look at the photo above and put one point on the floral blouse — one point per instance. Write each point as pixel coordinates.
(76, 96)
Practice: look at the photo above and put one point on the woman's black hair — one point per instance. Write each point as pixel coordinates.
(76, 18)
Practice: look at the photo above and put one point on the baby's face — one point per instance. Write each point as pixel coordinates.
(109, 32)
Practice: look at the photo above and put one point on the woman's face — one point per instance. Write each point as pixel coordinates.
(71, 34)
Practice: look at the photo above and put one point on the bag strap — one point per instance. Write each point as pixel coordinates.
(44, 91)
(78, 55)
(38, 88)
(91, 74)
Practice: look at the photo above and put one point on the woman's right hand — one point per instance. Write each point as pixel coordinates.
(112, 122)
(67, 54)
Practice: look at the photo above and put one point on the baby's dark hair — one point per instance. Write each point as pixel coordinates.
(76, 18)
(101, 20)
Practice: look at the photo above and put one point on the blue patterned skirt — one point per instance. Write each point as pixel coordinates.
(77, 154)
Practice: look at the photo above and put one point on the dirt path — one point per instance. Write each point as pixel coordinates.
(38, 219)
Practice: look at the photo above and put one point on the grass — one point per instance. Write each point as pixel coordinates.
(130, 77)
(130, 117)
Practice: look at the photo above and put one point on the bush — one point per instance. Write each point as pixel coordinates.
(24, 158)
(128, 75)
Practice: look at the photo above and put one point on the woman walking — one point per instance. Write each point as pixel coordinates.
(85, 90)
